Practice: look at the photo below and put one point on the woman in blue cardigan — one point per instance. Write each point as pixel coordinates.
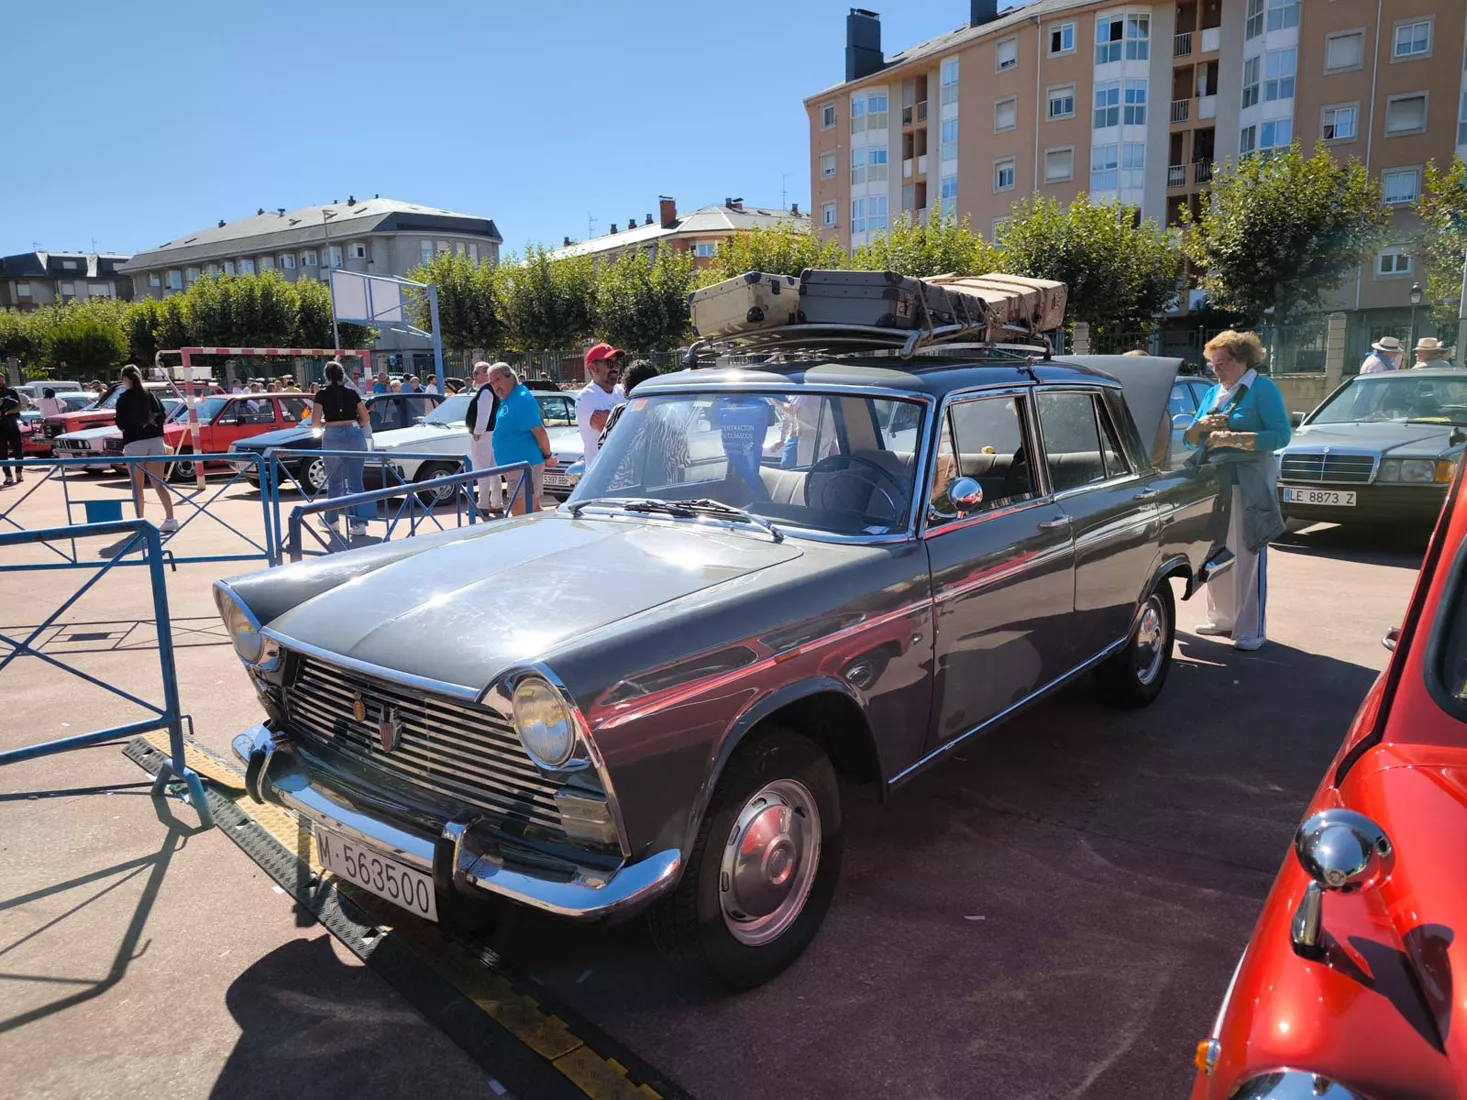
(1241, 423)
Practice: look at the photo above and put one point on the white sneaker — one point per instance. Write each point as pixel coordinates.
(327, 522)
(168, 526)
(356, 527)
(1248, 645)
(1212, 630)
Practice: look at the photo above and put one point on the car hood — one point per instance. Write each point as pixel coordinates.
(465, 607)
(409, 439)
(92, 433)
(284, 437)
(565, 443)
(1384, 437)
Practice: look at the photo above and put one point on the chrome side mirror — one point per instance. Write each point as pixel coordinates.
(1296, 419)
(966, 495)
(1341, 851)
(1392, 637)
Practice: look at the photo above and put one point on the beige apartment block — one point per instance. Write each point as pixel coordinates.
(1137, 102)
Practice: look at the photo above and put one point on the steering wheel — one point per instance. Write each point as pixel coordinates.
(844, 468)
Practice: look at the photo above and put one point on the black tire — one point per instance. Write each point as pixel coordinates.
(431, 498)
(182, 469)
(690, 926)
(311, 475)
(1135, 676)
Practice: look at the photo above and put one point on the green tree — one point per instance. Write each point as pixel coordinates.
(781, 250)
(1279, 231)
(85, 344)
(468, 302)
(1119, 274)
(642, 304)
(20, 336)
(545, 303)
(1442, 242)
(142, 331)
(174, 328)
(943, 246)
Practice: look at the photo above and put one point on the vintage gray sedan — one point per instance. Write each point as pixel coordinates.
(1382, 448)
(769, 579)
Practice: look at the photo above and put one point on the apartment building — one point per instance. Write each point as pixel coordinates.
(376, 235)
(1137, 102)
(698, 232)
(29, 280)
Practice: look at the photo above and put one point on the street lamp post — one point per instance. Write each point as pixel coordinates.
(1416, 295)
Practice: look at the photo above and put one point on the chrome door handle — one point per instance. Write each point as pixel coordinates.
(1147, 494)
(1052, 524)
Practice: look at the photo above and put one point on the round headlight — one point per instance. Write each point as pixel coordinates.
(248, 642)
(543, 722)
(1417, 470)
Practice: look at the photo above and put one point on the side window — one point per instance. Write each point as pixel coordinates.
(1071, 440)
(1183, 400)
(387, 416)
(293, 408)
(233, 413)
(983, 439)
(1116, 464)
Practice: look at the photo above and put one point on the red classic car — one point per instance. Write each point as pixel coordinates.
(1351, 985)
(105, 410)
(223, 419)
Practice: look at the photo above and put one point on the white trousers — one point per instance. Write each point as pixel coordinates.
(1235, 601)
(491, 489)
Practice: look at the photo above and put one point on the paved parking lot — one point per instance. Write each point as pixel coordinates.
(1053, 912)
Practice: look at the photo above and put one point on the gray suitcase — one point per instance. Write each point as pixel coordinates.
(882, 299)
(747, 303)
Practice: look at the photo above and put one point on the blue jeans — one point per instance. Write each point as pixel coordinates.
(344, 475)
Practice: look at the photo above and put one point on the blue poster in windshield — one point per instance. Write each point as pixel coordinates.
(743, 422)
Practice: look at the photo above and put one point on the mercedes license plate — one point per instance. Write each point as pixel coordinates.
(371, 870)
(558, 481)
(1328, 498)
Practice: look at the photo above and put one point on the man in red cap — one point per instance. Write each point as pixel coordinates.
(598, 397)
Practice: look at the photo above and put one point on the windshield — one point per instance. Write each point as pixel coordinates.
(77, 401)
(842, 464)
(1397, 397)
(451, 413)
(209, 408)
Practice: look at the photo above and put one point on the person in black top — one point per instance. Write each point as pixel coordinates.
(10, 446)
(140, 416)
(338, 408)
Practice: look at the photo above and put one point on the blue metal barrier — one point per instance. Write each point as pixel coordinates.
(411, 508)
(260, 549)
(143, 538)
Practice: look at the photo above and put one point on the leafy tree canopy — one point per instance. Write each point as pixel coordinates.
(86, 344)
(943, 246)
(642, 304)
(1443, 240)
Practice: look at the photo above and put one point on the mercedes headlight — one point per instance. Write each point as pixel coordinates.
(1417, 470)
(252, 647)
(544, 722)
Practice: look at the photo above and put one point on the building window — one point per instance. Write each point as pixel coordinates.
(1406, 114)
(1133, 165)
(1138, 37)
(154, 279)
(948, 196)
(1252, 67)
(308, 259)
(1110, 31)
(191, 275)
(1107, 104)
(1135, 114)
(67, 291)
(1248, 140)
(1275, 134)
(246, 267)
(474, 252)
(827, 116)
(69, 265)
(98, 290)
(23, 290)
(858, 215)
(358, 250)
(444, 249)
(1339, 123)
(1278, 73)
(858, 113)
(175, 280)
(950, 81)
(876, 116)
(211, 270)
(1393, 261)
(1007, 54)
(287, 261)
(705, 250)
(827, 166)
(876, 214)
(827, 214)
(229, 267)
(858, 166)
(333, 255)
(999, 225)
(876, 164)
(425, 252)
(1344, 51)
(1400, 186)
(950, 139)
(1005, 115)
(1061, 38)
(1003, 174)
(1412, 39)
(1061, 102)
(1105, 165)
(1059, 165)
(1273, 15)
(267, 263)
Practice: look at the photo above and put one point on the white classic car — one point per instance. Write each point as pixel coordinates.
(90, 442)
(444, 432)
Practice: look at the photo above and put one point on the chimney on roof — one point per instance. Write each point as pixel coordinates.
(567, 243)
(351, 200)
(613, 227)
(648, 221)
(259, 211)
(280, 210)
(221, 223)
(795, 209)
(632, 222)
(863, 43)
(734, 204)
(667, 210)
(982, 11)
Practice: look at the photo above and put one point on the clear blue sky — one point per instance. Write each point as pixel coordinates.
(133, 124)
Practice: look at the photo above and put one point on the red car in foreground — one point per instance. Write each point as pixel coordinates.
(1351, 985)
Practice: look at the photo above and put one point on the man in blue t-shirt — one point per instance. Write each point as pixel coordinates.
(519, 433)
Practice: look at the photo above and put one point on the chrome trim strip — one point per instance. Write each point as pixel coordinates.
(1001, 715)
(965, 522)
(1003, 573)
(406, 679)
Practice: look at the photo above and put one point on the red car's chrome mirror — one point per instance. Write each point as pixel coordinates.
(1341, 851)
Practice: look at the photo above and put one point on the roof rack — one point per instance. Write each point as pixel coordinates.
(804, 340)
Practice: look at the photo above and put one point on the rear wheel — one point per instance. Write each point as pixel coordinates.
(312, 476)
(1136, 674)
(182, 469)
(444, 493)
(763, 869)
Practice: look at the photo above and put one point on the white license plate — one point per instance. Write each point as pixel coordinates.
(1329, 498)
(559, 481)
(371, 870)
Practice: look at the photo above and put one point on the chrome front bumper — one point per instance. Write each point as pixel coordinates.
(458, 858)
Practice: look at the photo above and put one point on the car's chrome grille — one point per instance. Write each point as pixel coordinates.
(1342, 467)
(451, 749)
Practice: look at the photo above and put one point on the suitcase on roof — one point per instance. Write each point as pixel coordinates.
(1015, 304)
(880, 299)
(747, 303)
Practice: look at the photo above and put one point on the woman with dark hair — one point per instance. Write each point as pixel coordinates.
(339, 409)
(140, 416)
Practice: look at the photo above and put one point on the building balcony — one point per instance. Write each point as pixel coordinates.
(1181, 110)
(1211, 39)
(1207, 106)
(1176, 177)
(1202, 171)
(1182, 45)
(922, 165)
(906, 116)
(924, 215)
(922, 111)
(907, 169)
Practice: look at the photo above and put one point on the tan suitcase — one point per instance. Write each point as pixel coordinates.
(747, 303)
(1009, 301)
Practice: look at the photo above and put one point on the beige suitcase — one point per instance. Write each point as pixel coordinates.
(1012, 301)
(747, 303)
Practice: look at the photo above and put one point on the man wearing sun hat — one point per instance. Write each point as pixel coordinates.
(1430, 353)
(598, 397)
(1386, 354)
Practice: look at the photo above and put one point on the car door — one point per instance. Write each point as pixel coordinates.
(240, 419)
(1112, 509)
(1002, 573)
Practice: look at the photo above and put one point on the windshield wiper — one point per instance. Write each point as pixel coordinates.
(717, 507)
(685, 509)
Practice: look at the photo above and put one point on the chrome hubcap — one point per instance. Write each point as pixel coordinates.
(316, 475)
(1151, 640)
(769, 862)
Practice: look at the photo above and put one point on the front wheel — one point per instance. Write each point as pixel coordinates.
(444, 493)
(763, 868)
(312, 476)
(1135, 675)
